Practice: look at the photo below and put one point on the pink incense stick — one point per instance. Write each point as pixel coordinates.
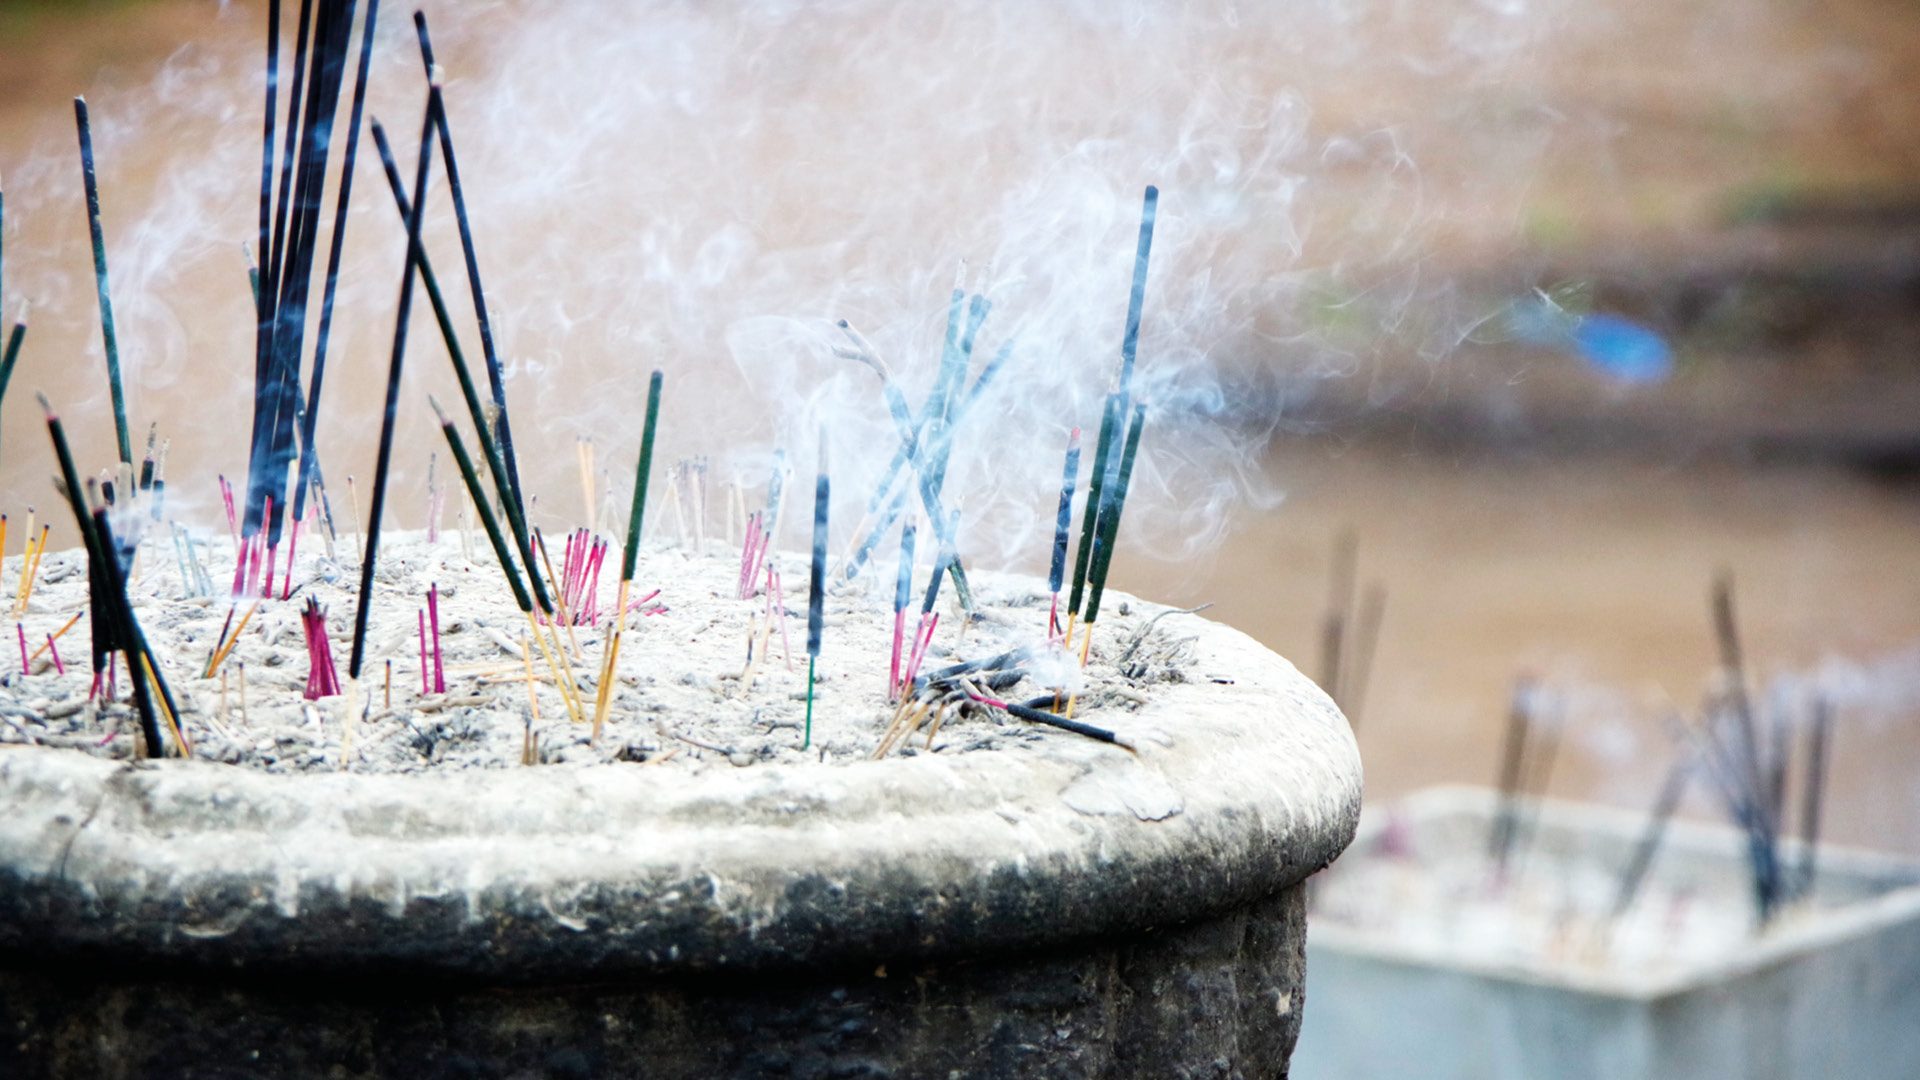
(240, 568)
(21, 629)
(593, 586)
(425, 687)
(233, 520)
(433, 622)
(293, 548)
(778, 599)
(924, 638)
(893, 667)
(266, 586)
(58, 667)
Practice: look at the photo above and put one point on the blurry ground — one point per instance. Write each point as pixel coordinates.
(1743, 175)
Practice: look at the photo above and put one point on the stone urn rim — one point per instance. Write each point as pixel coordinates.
(1246, 780)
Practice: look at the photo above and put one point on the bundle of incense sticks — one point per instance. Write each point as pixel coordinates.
(926, 446)
(580, 577)
(288, 242)
(929, 618)
(115, 629)
(322, 679)
(1106, 491)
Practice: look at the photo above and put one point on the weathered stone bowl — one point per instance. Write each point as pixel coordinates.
(1068, 910)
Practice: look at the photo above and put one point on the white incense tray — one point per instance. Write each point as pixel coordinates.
(1420, 964)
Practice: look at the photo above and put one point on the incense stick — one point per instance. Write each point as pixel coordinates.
(816, 584)
(390, 413)
(336, 244)
(1062, 529)
(477, 412)
(1136, 297)
(630, 554)
(902, 594)
(108, 338)
(495, 378)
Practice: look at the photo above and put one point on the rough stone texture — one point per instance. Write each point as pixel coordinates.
(1217, 999)
(659, 923)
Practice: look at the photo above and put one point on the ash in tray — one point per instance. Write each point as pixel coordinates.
(1433, 891)
(685, 694)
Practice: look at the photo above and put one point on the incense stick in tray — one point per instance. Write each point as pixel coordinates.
(679, 670)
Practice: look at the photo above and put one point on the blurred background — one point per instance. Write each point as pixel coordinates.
(1545, 311)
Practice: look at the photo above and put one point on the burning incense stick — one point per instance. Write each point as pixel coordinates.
(816, 584)
(1063, 527)
(310, 416)
(1039, 716)
(902, 594)
(107, 335)
(1110, 418)
(1115, 497)
(630, 555)
(1136, 298)
(390, 414)
(495, 379)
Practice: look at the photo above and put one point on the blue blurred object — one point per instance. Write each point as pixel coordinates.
(1622, 348)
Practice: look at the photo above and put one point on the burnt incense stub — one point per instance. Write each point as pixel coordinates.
(612, 882)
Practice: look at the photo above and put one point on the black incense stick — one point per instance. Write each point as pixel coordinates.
(394, 367)
(1063, 523)
(1110, 418)
(107, 335)
(111, 615)
(495, 379)
(489, 447)
(1813, 791)
(1136, 298)
(1512, 759)
(640, 479)
(1116, 498)
(337, 244)
(817, 583)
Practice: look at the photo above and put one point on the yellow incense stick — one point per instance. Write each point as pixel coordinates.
(33, 572)
(604, 697)
(186, 746)
(526, 656)
(225, 647)
(45, 645)
(573, 708)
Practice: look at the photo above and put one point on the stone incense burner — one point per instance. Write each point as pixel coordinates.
(1073, 909)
